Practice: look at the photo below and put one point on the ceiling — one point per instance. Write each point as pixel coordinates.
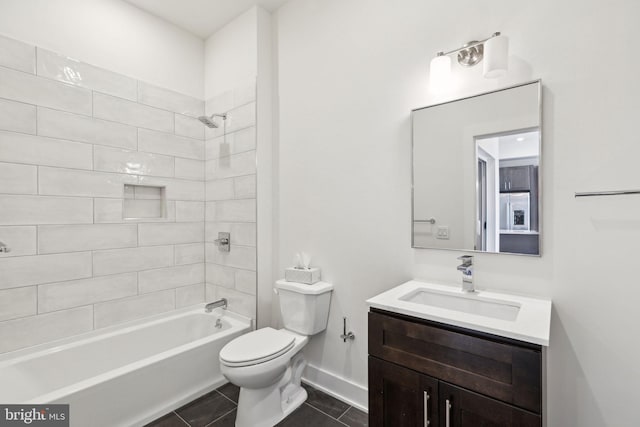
(201, 17)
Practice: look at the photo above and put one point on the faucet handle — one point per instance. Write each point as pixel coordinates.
(466, 259)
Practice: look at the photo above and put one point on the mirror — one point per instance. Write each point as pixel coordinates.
(476, 172)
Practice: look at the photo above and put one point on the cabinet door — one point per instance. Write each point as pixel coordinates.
(519, 178)
(400, 397)
(462, 408)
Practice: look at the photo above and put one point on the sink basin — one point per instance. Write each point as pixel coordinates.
(507, 315)
(467, 303)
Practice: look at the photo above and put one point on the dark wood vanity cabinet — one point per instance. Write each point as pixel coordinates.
(423, 373)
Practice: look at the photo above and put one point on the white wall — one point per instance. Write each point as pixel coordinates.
(350, 72)
(110, 34)
(231, 55)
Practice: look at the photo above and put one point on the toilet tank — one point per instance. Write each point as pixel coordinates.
(304, 308)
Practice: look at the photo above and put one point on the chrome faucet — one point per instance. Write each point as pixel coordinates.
(467, 273)
(4, 248)
(220, 303)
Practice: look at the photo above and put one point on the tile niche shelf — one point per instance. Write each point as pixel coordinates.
(144, 201)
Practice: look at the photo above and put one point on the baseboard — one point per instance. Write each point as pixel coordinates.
(338, 387)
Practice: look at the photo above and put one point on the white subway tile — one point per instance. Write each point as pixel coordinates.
(74, 238)
(170, 233)
(209, 291)
(18, 179)
(190, 253)
(172, 145)
(18, 302)
(116, 261)
(75, 127)
(189, 169)
(169, 100)
(21, 241)
(67, 70)
(220, 275)
(109, 159)
(168, 278)
(33, 330)
(232, 211)
(108, 210)
(189, 211)
(232, 143)
(238, 302)
(221, 189)
(29, 210)
(246, 281)
(189, 295)
(62, 295)
(243, 234)
(41, 91)
(71, 182)
(189, 126)
(241, 117)
(123, 111)
(37, 150)
(239, 257)
(234, 165)
(177, 189)
(17, 116)
(34, 270)
(122, 310)
(17, 55)
(245, 187)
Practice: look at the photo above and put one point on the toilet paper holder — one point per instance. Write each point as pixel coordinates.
(346, 335)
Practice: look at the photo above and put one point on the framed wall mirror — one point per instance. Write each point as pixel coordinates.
(476, 172)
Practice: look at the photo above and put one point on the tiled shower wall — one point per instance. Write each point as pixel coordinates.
(71, 136)
(231, 199)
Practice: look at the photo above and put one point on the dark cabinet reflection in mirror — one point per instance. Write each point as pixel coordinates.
(476, 172)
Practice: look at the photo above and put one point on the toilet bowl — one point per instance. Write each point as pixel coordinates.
(267, 364)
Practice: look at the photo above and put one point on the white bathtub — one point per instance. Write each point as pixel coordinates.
(125, 375)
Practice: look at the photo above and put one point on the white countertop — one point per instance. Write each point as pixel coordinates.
(532, 323)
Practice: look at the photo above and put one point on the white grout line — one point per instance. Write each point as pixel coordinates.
(182, 419)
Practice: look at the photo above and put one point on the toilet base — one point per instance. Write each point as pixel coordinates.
(268, 406)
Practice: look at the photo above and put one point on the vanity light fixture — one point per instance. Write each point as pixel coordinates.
(494, 50)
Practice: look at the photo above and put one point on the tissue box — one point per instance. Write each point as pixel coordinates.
(302, 275)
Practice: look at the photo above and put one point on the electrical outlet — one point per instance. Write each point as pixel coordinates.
(442, 233)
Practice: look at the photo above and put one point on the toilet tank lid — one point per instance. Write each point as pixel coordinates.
(302, 288)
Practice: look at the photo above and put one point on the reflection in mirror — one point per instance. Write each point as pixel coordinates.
(476, 173)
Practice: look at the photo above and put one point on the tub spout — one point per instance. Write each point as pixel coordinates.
(220, 303)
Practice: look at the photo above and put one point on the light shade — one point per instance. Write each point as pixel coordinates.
(496, 57)
(439, 72)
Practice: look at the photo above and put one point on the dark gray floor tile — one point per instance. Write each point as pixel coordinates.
(231, 391)
(205, 409)
(355, 418)
(308, 416)
(228, 420)
(327, 404)
(169, 420)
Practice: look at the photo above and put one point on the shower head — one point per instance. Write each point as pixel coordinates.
(208, 120)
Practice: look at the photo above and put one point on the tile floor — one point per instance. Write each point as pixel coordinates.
(218, 409)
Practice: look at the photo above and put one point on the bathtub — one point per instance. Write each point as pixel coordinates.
(125, 375)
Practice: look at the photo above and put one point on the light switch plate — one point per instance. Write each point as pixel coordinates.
(442, 233)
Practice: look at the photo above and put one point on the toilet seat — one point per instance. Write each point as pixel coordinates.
(256, 347)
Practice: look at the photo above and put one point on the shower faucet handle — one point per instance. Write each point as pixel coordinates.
(4, 248)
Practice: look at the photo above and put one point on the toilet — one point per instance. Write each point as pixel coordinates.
(267, 363)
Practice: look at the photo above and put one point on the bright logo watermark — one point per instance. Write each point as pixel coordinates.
(34, 415)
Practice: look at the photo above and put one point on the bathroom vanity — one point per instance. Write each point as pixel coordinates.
(439, 357)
